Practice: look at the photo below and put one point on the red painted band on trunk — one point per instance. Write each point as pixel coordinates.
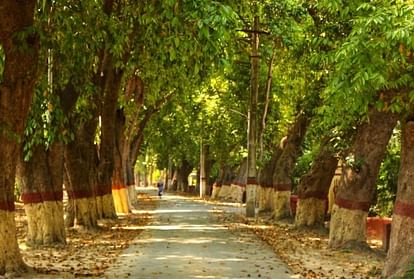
(338, 173)
(118, 187)
(42, 197)
(238, 184)
(80, 194)
(282, 187)
(251, 181)
(313, 194)
(404, 209)
(104, 190)
(7, 206)
(353, 205)
(217, 184)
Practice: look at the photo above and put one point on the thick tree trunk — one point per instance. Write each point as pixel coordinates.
(219, 181)
(109, 83)
(41, 179)
(120, 189)
(401, 248)
(238, 185)
(284, 167)
(80, 169)
(182, 176)
(266, 181)
(313, 189)
(356, 188)
(16, 91)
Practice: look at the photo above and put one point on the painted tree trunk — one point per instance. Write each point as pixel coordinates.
(16, 91)
(81, 173)
(109, 83)
(355, 191)
(223, 175)
(401, 249)
(284, 167)
(238, 185)
(122, 200)
(313, 189)
(119, 189)
(41, 179)
(266, 181)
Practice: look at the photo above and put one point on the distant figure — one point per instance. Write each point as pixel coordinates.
(160, 186)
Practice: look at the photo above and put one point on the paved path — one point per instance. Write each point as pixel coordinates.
(185, 241)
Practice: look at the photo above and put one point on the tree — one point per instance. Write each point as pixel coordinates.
(401, 249)
(313, 188)
(19, 45)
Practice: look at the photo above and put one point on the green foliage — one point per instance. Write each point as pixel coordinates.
(302, 166)
(387, 181)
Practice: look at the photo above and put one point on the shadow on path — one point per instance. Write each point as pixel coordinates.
(186, 241)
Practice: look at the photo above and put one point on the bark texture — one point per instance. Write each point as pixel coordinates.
(356, 188)
(313, 189)
(45, 223)
(266, 181)
(10, 259)
(119, 188)
(401, 248)
(16, 91)
(80, 164)
(238, 186)
(41, 179)
(310, 212)
(284, 167)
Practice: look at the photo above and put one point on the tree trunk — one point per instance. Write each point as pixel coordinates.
(16, 91)
(182, 176)
(41, 179)
(223, 183)
(401, 248)
(109, 85)
(266, 180)
(119, 187)
(282, 175)
(238, 185)
(355, 191)
(313, 189)
(80, 167)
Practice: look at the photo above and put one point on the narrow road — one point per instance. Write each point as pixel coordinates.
(186, 241)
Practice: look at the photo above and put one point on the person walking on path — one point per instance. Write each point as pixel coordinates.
(160, 186)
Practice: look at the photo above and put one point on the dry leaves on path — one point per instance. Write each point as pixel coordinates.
(306, 252)
(87, 253)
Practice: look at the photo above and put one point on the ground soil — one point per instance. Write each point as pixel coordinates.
(89, 254)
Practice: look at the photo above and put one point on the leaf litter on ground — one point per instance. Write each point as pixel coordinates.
(87, 253)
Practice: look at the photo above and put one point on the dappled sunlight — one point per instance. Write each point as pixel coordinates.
(185, 227)
(181, 240)
(168, 211)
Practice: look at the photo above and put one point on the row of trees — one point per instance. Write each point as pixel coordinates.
(80, 81)
(341, 83)
(88, 87)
